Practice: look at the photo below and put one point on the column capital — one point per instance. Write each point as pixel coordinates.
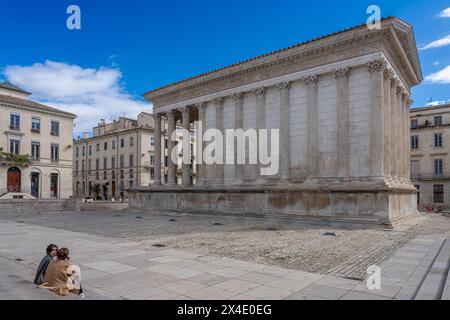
(312, 79)
(283, 85)
(342, 73)
(405, 95)
(399, 90)
(237, 96)
(378, 65)
(157, 116)
(218, 101)
(394, 82)
(388, 73)
(409, 101)
(185, 109)
(200, 105)
(258, 91)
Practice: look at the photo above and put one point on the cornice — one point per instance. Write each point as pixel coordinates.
(35, 110)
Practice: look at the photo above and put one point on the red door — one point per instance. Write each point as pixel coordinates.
(13, 182)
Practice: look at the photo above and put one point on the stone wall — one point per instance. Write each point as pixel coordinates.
(36, 206)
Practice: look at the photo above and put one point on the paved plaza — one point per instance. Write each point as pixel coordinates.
(123, 259)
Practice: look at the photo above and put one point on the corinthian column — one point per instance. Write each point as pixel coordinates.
(285, 141)
(157, 134)
(313, 147)
(171, 166)
(399, 132)
(260, 123)
(239, 124)
(343, 140)
(376, 69)
(219, 126)
(394, 129)
(201, 174)
(186, 126)
(388, 134)
(409, 102)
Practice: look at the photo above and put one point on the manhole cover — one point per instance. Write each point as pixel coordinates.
(217, 224)
(158, 245)
(331, 234)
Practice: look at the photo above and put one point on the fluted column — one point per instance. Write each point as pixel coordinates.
(239, 124)
(186, 146)
(387, 124)
(285, 140)
(405, 135)
(394, 128)
(260, 122)
(171, 166)
(157, 134)
(376, 69)
(398, 133)
(312, 138)
(343, 139)
(201, 173)
(409, 102)
(219, 126)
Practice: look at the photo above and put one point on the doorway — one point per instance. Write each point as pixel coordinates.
(13, 179)
(54, 185)
(35, 184)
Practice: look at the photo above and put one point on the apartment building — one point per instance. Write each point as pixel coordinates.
(36, 147)
(430, 160)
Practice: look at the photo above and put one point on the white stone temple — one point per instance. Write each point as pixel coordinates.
(340, 103)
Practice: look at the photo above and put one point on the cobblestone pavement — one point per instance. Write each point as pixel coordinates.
(291, 244)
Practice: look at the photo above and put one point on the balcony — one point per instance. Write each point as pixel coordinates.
(14, 127)
(54, 133)
(8, 159)
(35, 130)
(430, 176)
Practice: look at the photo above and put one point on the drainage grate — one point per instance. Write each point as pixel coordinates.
(158, 245)
(332, 234)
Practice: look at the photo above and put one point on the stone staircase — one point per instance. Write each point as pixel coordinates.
(430, 279)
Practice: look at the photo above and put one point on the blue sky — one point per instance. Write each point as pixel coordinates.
(126, 48)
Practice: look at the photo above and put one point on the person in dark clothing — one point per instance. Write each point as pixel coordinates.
(52, 249)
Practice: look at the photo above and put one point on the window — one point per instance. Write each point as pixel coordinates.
(54, 128)
(77, 151)
(97, 164)
(83, 152)
(98, 147)
(76, 167)
(122, 143)
(438, 166)
(121, 174)
(105, 163)
(14, 122)
(152, 173)
(105, 175)
(83, 167)
(414, 123)
(89, 166)
(14, 146)
(105, 146)
(438, 140)
(54, 152)
(90, 150)
(438, 120)
(97, 177)
(35, 125)
(131, 141)
(113, 174)
(415, 169)
(113, 163)
(152, 141)
(438, 193)
(113, 145)
(131, 183)
(35, 150)
(414, 142)
(131, 163)
(122, 162)
(152, 160)
(131, 174)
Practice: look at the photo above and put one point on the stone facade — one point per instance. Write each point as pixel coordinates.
(45, 135)
(430, 162)
(340, 105)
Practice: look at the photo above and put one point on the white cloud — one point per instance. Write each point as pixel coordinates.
(445, 13)
(437, 103)
(438, 43)
(90, 93)
(442, 76)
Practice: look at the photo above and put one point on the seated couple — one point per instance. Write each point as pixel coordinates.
(57, 274)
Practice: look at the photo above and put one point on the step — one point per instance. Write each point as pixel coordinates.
(446, 290)
(434, 283)
(412, 284)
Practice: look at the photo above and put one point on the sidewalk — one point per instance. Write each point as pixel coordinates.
(117, 269)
